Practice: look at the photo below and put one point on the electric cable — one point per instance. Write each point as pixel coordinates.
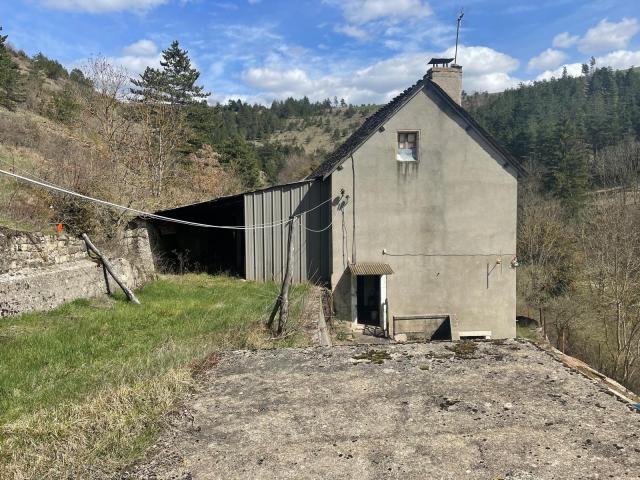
(154, 216)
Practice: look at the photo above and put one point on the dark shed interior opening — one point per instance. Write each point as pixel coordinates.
(181, 248)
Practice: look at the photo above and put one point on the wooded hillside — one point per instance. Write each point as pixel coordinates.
(149, 141)
(563, 128)
(579, 215)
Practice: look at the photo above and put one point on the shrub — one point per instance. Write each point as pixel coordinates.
(51, 68)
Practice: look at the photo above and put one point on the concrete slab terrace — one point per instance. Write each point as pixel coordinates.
(508, 410)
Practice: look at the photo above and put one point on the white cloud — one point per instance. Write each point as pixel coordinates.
(484, 69)
(143, 48)
(619, 60)
(363, 11)
(483, 60)
(609, 35)
(548, 59)
(278, 80)
(135, 58)
(351, 31)
(565, 40)
(573, 70)
(102, 6)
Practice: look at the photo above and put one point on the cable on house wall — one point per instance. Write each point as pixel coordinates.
(353, 210)
(154, 216)
(448, 254)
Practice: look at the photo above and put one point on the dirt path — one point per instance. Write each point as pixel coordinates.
(506, 411)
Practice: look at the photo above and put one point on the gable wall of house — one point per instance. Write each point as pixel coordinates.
(446, 218)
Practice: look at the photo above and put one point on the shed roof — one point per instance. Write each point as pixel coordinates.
(370, 268)
(381, 116)
(237, 196)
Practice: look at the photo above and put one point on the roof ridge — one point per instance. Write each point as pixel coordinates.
(380, 116)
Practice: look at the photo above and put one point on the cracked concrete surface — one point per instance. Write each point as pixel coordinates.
(508, 411)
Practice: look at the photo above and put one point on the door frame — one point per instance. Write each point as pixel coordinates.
(383, 303)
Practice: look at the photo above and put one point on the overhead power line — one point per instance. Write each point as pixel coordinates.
(153, 216)
(321, 230)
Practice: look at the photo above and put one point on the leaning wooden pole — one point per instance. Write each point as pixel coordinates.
(282, 302)
(284, 307)
(107, 265)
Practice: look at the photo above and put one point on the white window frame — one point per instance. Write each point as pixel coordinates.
(418, 143)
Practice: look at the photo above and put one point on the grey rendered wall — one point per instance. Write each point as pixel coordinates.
(266, 248)
(446, 217)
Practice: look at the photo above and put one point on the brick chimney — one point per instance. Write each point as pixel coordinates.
(448, 77)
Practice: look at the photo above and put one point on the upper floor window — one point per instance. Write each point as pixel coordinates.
(407, 147)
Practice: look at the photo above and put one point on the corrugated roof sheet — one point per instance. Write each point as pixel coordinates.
(219, 200)
(375, 121)
(370, 268)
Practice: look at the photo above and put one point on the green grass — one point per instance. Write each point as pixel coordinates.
(529, 333)
(92, 355)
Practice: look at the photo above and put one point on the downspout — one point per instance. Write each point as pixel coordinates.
(353, 210)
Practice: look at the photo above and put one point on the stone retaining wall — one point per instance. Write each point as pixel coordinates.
(39, 272)
(21, 250)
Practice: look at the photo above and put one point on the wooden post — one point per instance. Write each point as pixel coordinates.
(284, 307)
(282, 303)
(106, 279)
(105, 263)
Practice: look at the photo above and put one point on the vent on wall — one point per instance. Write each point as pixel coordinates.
(476, 335)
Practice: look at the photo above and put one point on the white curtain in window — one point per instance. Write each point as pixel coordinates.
(407, 147)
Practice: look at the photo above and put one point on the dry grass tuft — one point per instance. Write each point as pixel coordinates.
(464, 349)
(200, 367)
(374, 356)
(92, 439)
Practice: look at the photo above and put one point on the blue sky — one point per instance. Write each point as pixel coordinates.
(363, 50)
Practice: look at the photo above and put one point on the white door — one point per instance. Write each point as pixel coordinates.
(383, 303)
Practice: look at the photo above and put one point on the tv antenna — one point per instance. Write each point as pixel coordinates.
(455, 57)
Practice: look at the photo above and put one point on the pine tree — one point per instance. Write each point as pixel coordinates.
(568, 170)
(181, 78)
(9, 77)
(151, 86)
(241, 157)
(174, 83)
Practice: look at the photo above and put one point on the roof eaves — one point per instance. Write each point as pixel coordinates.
(370, 126)
(521, 171)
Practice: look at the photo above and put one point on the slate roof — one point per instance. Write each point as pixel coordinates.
(380, 117)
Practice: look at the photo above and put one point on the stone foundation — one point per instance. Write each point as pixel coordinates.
(40, 272)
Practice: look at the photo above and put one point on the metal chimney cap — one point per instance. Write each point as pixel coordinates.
(440, 61)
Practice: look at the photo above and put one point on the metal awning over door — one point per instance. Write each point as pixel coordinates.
(370, 268)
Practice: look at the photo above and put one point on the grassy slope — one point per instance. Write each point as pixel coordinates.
(23, 137)
(83, 388)
(312, 137)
